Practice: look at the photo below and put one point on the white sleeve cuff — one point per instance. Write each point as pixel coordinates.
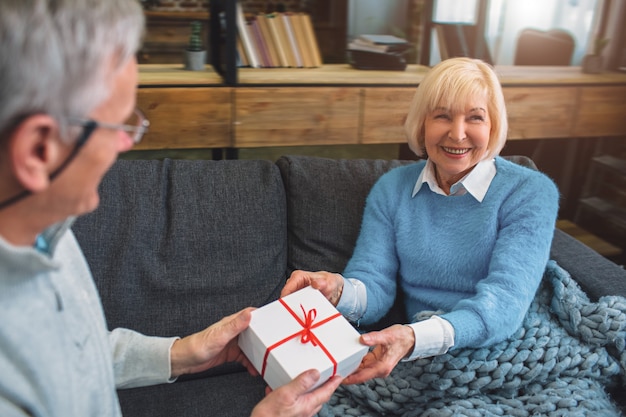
(433, 337)
(353, 300)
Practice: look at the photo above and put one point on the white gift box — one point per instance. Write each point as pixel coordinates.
(299, 332)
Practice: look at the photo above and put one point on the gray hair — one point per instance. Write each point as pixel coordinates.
(56, 55)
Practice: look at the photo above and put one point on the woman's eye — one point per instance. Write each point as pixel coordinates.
(477, 118)
(443, 116)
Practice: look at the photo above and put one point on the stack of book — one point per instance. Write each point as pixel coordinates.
(382, 52)
(277, 40)
(379, 43)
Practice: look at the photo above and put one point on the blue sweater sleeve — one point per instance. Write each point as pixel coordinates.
(375, 259)
(526, 219)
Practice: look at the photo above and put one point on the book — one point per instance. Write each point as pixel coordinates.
(273, 60)
(289, 30)
(281, 30)
(279, 39)
(247, 43)
(381, 40)
(311, 41)
(298, 28)
(363, 45)
(264, 59)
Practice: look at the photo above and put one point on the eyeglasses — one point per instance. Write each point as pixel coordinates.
(136, 126)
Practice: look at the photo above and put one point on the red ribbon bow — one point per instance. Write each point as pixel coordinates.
(306, 334)
(309, 318)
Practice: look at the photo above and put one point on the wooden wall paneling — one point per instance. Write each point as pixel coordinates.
(182, 118)
(601, 111)
(384, 114)
(540, 112)
(268, 116)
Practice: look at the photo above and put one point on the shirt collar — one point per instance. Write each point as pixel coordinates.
(476, 182)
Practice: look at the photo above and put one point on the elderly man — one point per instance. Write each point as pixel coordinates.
(68, 79)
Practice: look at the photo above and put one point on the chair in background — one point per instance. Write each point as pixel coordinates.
(555, 157)
(538, 47)
(461, 40)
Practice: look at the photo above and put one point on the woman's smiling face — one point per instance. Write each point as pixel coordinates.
(456, 140)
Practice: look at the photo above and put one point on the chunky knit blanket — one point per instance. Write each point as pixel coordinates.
(568, 353)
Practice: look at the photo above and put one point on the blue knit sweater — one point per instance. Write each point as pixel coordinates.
(479, 262)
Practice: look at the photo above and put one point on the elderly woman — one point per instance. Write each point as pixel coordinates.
(465, 233)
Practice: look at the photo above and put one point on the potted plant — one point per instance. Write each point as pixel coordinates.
(195, 54)
(592, 63)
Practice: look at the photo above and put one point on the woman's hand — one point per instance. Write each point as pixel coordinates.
(293, 400)
(215, 345)
(391, 345)
(329, 284)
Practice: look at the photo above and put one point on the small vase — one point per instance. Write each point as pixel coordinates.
(195, 60)
(592, 64)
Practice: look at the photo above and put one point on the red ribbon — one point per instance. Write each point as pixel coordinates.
(306, 334)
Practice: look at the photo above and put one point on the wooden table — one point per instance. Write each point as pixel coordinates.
(336, 104)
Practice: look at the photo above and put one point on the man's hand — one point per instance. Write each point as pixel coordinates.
(329, 284)
(215, 345)
(392, 344)
(293, 400)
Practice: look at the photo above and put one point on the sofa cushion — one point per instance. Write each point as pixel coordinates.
(325, 201)
(176, 245)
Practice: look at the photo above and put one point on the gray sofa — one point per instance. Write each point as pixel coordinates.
(177, 244)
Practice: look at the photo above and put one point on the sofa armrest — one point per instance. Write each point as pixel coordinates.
(595, 274)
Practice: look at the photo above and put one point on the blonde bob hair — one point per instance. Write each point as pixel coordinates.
(452, 84)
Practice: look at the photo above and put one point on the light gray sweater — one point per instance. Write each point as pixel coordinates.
(57, 357)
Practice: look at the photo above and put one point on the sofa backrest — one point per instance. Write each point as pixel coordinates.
(325, 201)
(176, 245)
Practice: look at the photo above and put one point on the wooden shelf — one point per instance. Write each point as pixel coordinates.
(344, 74)
(336, 104)
(174, 75)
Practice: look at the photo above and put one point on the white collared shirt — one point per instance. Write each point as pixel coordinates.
(476, 182)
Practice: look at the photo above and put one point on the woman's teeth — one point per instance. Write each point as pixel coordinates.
(456, 151)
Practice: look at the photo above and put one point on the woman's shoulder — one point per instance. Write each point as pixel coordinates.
(521, 170)
(524, 177)
(399, 178)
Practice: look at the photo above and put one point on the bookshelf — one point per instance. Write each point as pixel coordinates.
(327, 24)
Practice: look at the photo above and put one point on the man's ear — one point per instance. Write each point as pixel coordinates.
(34, 149)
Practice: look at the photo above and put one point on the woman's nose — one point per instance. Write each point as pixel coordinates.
(457, 129)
